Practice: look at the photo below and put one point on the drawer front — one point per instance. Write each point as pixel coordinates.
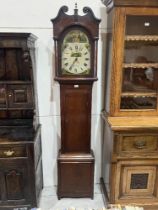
(138, 143)
(12, 151)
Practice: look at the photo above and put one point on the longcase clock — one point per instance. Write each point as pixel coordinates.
(75, 39)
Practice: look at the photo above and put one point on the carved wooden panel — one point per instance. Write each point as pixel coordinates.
(14, 184)
(14, 176)
(136, 179)
(20, 96)
(139, 181)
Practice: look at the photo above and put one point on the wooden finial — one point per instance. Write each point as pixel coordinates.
(76, 5)
(76, 10)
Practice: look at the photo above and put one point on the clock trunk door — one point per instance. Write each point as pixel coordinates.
(75, 118)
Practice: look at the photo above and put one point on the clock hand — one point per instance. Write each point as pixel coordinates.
(73, 63)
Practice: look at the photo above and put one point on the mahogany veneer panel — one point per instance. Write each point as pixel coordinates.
(75, 175)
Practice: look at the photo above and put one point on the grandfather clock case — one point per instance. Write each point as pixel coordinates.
(75, 39)
(21, 178)
(130, 146)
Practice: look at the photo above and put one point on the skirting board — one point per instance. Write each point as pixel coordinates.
(104, 191)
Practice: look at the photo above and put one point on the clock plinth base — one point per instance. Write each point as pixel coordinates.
(75, 175)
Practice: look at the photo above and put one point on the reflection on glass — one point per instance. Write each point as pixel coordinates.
(141, 25)
(140, 52)
(2, 96)
(140, 80)
(138, 102)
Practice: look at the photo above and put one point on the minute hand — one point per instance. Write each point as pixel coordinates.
(73, 63)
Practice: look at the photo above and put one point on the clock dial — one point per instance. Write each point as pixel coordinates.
(76, 53)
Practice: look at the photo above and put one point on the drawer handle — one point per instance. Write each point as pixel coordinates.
(140, 144)
(9, 153)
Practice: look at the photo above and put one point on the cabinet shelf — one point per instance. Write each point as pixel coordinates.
(15, 82)
(140, 94)
(20, 109)
(147, 38)
(140, 65)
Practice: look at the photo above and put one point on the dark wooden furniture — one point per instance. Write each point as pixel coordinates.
(130, 158)
(75, 40)
(20, 139)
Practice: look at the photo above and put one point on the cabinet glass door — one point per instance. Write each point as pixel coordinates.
(140, 63)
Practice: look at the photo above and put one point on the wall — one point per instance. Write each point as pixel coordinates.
(34, 16)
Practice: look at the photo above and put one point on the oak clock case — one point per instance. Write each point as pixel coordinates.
(75, 39)
(20, 137)
(131, 107)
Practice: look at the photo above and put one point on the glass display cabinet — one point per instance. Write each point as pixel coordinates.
(130, 144)
(140, 63)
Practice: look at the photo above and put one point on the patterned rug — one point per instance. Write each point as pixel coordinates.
(111, 207)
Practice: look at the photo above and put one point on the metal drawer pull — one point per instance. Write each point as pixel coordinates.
(140, 144)
(9, 152)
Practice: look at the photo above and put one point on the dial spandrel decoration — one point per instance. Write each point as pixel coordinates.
(75, 53)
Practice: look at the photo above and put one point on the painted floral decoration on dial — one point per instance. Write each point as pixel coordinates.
(76, 53)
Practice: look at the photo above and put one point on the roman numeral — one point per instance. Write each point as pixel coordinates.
(80, 49)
